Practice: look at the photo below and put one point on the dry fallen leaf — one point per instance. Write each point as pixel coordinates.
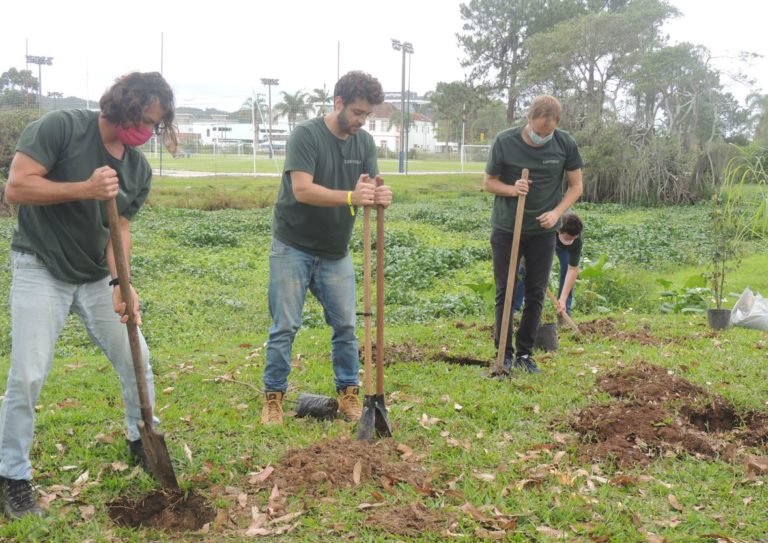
(242, 499)
(757, 465)
(87, 512)
(119, 466)
(551, 532)
(261, 476)
(674, 503)
(356, 472)
(485, 476)
(493, 535)
(364, 506)
(188, 452)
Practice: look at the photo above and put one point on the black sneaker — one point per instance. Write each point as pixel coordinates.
(19, 499)
(138, 455)
(527, 364)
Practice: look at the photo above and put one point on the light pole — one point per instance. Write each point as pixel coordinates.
(34, 59)
(405, 47)
(269, 82)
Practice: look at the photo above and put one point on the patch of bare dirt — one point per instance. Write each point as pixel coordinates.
(407, 520)
(333, 464)
(400, 352)
(606, 328)
(164, 510)
(662, 414)
(460, 360)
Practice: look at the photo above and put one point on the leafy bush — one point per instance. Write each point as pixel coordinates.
(12, 123)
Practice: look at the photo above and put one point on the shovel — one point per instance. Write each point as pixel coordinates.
(153, 442)
(367, 423)
(382, 424)
(566, 317)
(498, 369)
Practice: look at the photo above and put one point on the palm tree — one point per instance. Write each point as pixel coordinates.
(320, 98)
(294, 107)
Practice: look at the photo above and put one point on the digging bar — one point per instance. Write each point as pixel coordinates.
(568, 320)
(366, 424)
(153, 442)
(382, 424)
(506, 317)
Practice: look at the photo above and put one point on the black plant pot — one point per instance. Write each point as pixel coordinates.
(546, 339)
(719, 319)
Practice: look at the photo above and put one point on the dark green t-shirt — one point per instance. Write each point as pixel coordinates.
(333, 163)
(573, 250)
(71, 237)
(546, 166)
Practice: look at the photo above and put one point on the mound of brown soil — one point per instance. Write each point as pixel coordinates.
(172, 511)
(334, 464)
(661, 414)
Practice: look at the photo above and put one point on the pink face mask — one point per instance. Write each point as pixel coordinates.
(134, 136)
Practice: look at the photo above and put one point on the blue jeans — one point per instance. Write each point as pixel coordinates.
(562, 257)
(40, 304)
(291, 273)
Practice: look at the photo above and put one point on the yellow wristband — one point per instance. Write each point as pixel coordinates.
(349, 203)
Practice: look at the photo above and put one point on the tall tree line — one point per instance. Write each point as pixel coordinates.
(653, 119)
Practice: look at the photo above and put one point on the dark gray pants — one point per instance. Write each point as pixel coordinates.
(538, 252)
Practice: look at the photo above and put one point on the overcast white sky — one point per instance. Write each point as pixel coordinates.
(214, 53)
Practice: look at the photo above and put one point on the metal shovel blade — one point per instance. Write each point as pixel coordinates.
(367, 422)
(380, 417)
(157, 456)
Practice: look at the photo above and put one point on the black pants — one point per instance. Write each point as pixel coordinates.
(538, 252)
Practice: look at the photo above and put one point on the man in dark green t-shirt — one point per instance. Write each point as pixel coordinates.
(67, 164)
(548, 154)
(330, 169)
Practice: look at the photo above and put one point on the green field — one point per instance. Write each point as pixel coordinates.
(501, 459)
(243, 164)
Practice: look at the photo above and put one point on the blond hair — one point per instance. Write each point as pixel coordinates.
(546, 106)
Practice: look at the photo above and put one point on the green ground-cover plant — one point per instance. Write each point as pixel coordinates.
(206, 318)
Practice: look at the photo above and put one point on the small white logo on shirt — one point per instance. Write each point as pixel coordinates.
(551, 161)
(352, 161)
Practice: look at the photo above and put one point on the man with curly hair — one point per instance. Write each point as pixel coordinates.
(330, 169)
(67, 165)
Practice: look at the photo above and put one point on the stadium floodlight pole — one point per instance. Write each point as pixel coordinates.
(269, 82)
(35, 59)
(405, 47)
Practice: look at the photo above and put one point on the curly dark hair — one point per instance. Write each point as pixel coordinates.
(571, 224)
(125, 102)
(359, 85)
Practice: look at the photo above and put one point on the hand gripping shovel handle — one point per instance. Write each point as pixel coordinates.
(511, 280)
(154, 443)
(569, 321)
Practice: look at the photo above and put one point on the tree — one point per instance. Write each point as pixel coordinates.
(494, 32)
(294, 107)
(456, 104)
(588, 57)
(320, 99)
(15, 87)
(757, 105)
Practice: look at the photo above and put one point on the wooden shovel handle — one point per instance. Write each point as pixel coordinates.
(568, 320)
(123, 277)
(367, 347)
(379, 296)
(511, 279)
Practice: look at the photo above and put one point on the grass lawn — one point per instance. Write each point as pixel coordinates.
(496, 460)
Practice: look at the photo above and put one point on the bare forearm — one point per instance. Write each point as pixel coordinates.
(37, 190)
(570, 280)
(496, 186)
(317, 195)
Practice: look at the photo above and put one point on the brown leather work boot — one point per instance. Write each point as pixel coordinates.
(349, 403)
(272, 412)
